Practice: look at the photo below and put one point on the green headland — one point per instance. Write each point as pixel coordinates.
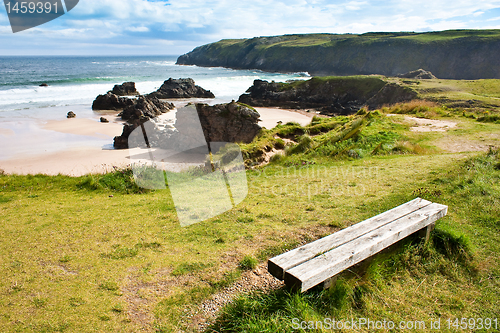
(452, 54)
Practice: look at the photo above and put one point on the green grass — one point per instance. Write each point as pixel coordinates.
(120, 249)
(301, 40)
(454, 276)
(362, 86)
(471, 95)
(248, 263)
(98, 253)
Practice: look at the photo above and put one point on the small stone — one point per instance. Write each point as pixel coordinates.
(103, 120)
(71, 114)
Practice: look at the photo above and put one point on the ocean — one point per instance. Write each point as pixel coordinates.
(26, 109)
(76, 81)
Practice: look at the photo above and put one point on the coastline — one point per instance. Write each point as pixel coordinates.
(80, 146)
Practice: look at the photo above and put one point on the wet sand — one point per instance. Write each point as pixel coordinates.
(80, 146)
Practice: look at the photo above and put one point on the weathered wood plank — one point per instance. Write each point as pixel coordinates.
(320, 268)
(279, 264)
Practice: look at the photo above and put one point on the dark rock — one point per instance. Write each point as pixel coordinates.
(125, 89)
(111, 101)
(121, 142)
(103, 120)
(181, 88)
(420, 74)
(391, 93)
(143, 109)
(145, 106)
(71, 114)
(336, 96)
(229, 122)
(44, 85)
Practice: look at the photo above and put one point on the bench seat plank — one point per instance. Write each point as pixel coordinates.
(278, 265)
(324, 266)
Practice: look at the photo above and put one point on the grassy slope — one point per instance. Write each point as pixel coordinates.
(74, 259)
(300, 40)
(349, 54)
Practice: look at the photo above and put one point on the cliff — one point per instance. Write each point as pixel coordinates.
(329, 94)
(452, 54)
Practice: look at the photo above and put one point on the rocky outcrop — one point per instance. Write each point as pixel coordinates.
(453, 54)
(391, 93)
(331, 96)
(145, 106)
(230, 122)
(420, 74)
(181, 88)
(143, 109)
(125, 89)
(111, 101)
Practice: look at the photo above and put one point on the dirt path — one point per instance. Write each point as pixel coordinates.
(452, 143)
(429, 125)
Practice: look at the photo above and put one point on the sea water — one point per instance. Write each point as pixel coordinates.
(76, 81)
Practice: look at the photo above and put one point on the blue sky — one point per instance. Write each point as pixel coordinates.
(159, 27)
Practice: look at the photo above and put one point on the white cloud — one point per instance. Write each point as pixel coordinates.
(197, 22)
(137, 29)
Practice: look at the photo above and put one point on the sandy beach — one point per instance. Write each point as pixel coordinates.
(79, 146)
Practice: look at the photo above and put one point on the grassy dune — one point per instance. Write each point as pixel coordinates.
(97, 253)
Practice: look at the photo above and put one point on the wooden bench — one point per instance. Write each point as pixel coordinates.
(318, 262)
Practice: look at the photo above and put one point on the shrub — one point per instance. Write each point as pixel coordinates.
(305, 143)
(248, 263)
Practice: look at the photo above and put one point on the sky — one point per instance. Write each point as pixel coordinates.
(174, 27)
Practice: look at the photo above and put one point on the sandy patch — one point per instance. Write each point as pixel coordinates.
(74, 146)
(74, 162)
(429, 125)
(272, 116)
(6, 132)
(88, 127)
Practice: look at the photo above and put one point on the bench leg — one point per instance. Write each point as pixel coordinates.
(426, 232)
(329, 282)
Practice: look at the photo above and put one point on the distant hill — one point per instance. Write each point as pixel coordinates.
(452, 54)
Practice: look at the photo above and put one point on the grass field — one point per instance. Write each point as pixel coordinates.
(98, 254)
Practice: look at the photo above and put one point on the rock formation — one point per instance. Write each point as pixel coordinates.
(111, 101)
(332, 96)
(71, 114)
(145, 106)
(125, 89)
(230, 122)
(391, 93)
(181, 88)
(103, 120)
(453, 54)
(420, 74)
(143, 109)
